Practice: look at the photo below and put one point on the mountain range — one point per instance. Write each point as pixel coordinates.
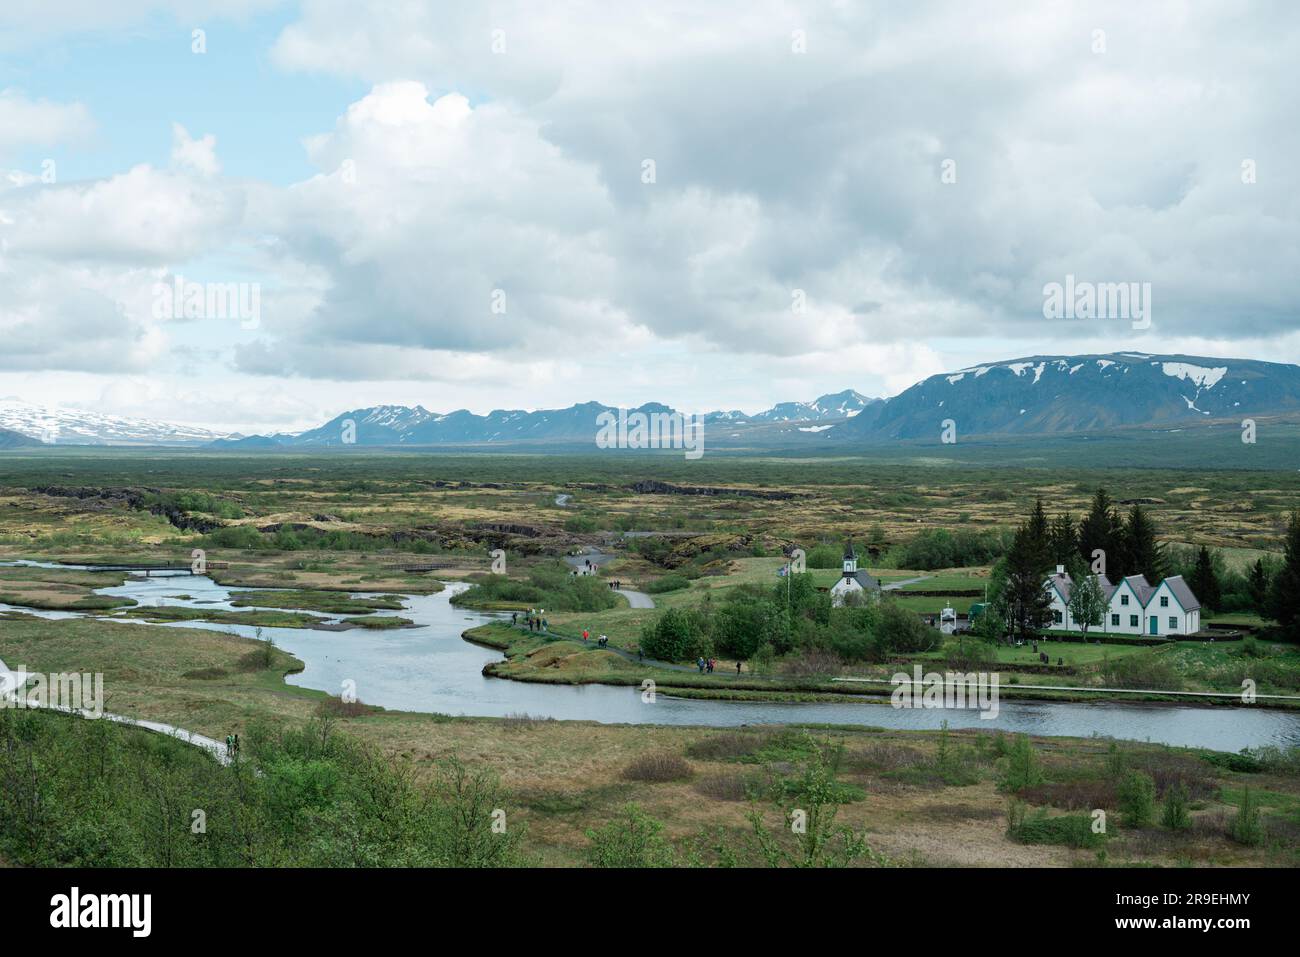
(59, 426)
(1037, 395)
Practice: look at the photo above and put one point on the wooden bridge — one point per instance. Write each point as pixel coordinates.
(435, 566)
(147, 568)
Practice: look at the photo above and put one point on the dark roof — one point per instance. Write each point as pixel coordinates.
(866, 581)
(1184, 594)
(1141, 587)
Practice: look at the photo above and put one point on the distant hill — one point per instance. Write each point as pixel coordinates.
(16, 440)
(1044, 395)
(390, 425)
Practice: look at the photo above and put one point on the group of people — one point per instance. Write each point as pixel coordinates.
(535, 619)
(706, 665)
(601, 642)
(232, 745)
(616, 584)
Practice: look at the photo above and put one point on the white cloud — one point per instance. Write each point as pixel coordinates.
(27, 122)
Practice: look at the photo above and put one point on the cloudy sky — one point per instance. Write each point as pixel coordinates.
(527, 204)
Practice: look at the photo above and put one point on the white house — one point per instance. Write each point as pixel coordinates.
(1133, 606)
(852, 581)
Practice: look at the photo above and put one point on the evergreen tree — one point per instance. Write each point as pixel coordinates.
(1099, 531)
(1142, 554)
(1026, 605)
(1284, 600)
(1257, 587)
(1204, 582)
(1040, 534)
(1063, 540)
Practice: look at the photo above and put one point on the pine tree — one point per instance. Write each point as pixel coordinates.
(1099, 532)
(1204, 582)
(1039, 534)
(1142, 554)
(1063, 540)
(1257, 587)
(1284, 595)
(1026, 605)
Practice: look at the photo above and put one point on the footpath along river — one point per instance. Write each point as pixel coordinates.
(430, 668)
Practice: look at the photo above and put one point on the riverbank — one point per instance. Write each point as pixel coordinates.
(560, 659)
(922, 797)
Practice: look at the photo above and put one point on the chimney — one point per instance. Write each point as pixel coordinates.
(1060, 570)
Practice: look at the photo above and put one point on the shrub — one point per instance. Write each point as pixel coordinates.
(658, 768)
(633, 839)
(727, 745)
(668, 583)
(673, 637)
(1246, 828)
(1071, 830)
(900, 630)
(1174, 815)
(1137, 799)
(1020, 768)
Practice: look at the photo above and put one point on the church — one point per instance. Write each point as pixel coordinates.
(852, 581)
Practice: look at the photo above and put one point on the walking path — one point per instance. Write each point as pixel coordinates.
(906, 581)
(636, 599)
(11, 681)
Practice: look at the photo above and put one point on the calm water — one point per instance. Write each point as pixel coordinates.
(431, 668)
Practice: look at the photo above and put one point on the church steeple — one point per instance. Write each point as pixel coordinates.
(850, 559)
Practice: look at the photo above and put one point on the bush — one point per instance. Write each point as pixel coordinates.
(1071, 830)
(1141, 670)
(1174, 815)
(673, 637)
(633, 839)
(966, 653)
(1137, 799)
(901, 631)
(658, 768)
(1246, 828)
(1020, 768)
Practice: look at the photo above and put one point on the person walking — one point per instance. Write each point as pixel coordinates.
(737, 666)
(585, 634)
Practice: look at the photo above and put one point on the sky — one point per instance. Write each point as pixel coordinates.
(721, 206)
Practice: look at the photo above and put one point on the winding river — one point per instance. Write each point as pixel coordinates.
(430, 668)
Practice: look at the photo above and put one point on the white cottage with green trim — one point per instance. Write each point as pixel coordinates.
(1133, 606)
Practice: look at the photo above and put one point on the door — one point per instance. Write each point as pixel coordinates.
(1155, 625)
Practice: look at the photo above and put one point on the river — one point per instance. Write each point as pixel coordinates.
(430, 668)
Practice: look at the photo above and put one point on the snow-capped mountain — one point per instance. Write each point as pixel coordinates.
(59, 426)
(1053, 394)
(403, 425)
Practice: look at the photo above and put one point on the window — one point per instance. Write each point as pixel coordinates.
(1056, 617)
(1114, 620)
(1123, 599)
(1164, 601)
(1132, 621)
(1173, 621)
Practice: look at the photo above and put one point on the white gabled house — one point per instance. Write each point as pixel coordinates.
(1133, 606)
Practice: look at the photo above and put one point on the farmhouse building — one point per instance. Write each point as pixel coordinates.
(1133, 606)
(852, 581)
